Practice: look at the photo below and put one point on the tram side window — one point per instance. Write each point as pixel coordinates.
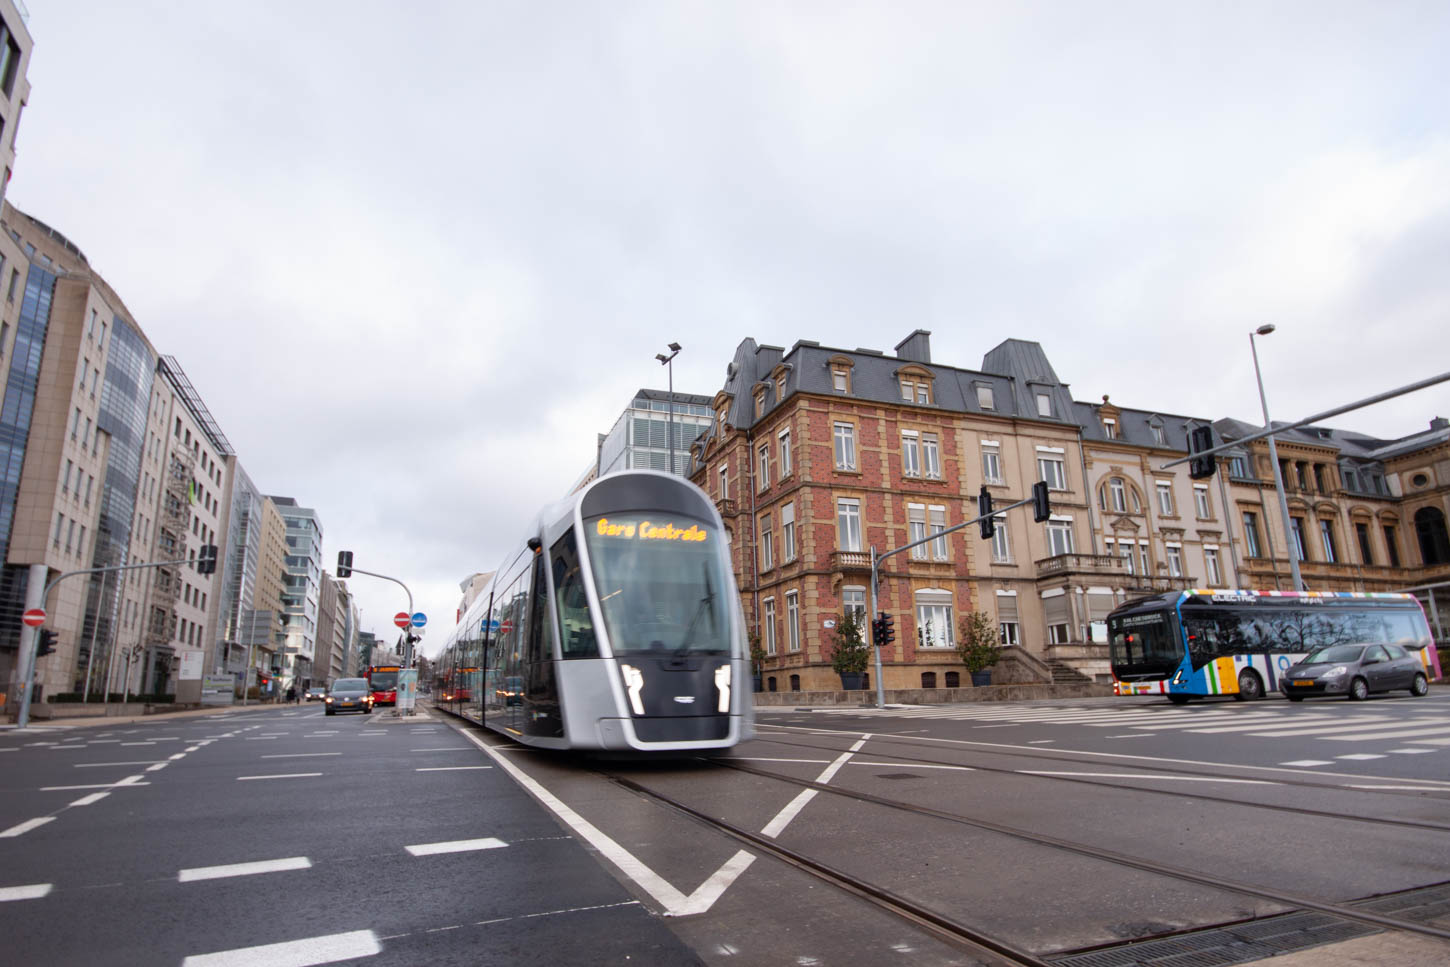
(576, 627)
(540, 626)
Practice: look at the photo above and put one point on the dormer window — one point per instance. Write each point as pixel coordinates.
(915, 385)
(840, 366)
(1044, 404)
(840, 380)
(984, 397)
(1158, 436)
(1110, 428)
(779, 388)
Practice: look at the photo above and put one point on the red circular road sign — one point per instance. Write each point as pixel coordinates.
(35, 617)
(402, 619)
(507, 627)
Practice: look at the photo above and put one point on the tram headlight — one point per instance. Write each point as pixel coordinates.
(722, 683)
(634, 682)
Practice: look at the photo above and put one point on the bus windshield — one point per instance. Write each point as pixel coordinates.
(1144, 645)
(383, 681)
(661, 583)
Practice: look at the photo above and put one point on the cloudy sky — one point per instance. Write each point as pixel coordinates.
(416, 256)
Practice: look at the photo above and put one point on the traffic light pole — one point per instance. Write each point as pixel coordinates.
(876, 560)
(407, 632)
(29, 635)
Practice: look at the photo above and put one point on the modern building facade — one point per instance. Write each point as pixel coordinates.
(303, 588)
(816, 455)
(337, 616)
(15, 47)
(640, 437)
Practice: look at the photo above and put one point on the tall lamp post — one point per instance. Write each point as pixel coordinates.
(1289, 541)
(669, 362)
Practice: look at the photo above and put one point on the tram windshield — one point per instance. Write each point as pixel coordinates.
(661, 583)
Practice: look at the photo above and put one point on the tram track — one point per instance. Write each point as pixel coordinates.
(877, 738)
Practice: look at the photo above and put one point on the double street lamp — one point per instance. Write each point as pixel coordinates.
(669, 362)
(1289, 540)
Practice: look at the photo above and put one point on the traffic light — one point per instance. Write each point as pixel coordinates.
(876, 626)
(1041, 508)
(344, 564)
(46, 644)
(1201, 468)
(888, 628)
(206, 560)
(984, 512)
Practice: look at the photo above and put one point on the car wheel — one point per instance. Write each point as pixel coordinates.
(1293, 698)
(1420, 687)
(367, 711)
(1358, 690)
(1178, 699)
(1251, 687)
(328, 712)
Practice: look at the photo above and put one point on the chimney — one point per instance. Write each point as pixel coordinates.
(916, 347)
(1440, 423)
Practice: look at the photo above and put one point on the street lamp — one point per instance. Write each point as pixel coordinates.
(1289, 542)
(668, 361)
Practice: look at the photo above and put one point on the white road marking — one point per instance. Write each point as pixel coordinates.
(1040, 741)
(298, 755)
(290, 775)
(294, 953)
(1360, 756)
(173, 758)
(243, 869)
(1306, 763)
(763, 758)
(260, 738)
(157, 767)
(1432, 741)
(93, 797)
(1399, 734)
(456, 846)
(792, 809)
(59, 747)
(450, 768)
(450, 748)
(128, 781)
(1141, 775)
(1365, 724)
(1135, 735)
(910, 765)
(25, 827)
(98, 765)
(32, 892)
(672, 900)
(137, 743)
(1412, 788)
(1411, 751)
(103, 741)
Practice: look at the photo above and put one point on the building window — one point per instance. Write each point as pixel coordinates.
(792, 620)
(1392, 546)
(934, 620)
(1143, 563)
(1044, 404)
(1059, 537)
(845, 437)
(769, 604)
(1319, 478)
(1125, 551)
(1200, 503)
(1366, 555)
(1433, 537)
(930, 456)
(1238, 467)
(848, 523)
(785, 453)
(910, 453)
(724, 482)
(787, 532)
(1211, 568)
(1175, 560)
(916, 391)
(1158, 436)
(1052, 470)
(991, 464)
(1110, 428)
(1326, 534)
(1165, 498)
(759, 403)
(853, 602)
(916, 529)
(1001, 549)
(1117, 493)
(767, 544)
(1059, 634)
(762, 468)
(1296, 527)
(1008, 632)
(928, 679)
(984, 398)
(938, 519)
(839, 380)
(1251, 534)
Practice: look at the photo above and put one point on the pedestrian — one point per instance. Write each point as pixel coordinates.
(291, 694)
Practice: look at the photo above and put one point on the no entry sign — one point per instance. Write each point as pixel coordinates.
(35, 617)
(402, 619)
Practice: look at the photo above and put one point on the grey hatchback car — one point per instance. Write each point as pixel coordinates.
(1355, 671)
(349, 695)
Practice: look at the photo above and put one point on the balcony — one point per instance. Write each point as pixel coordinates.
(1105, 564)
(850, 561)
(727, 508)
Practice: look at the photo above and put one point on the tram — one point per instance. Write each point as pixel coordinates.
(613, 625)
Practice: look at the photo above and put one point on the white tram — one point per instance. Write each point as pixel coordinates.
(614, 625)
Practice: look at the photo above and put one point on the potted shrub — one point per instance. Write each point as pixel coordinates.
(757, 658)
(849, 651)
(977, 645)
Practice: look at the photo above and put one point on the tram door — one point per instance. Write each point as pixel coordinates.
(540, 706)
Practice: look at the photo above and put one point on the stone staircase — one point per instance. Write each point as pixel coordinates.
(1064, 674)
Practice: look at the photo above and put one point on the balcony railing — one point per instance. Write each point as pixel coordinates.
(850, 561)
(727, 507)
(1091, 563)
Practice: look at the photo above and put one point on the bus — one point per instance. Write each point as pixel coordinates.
(383, 683)
(1186, 644)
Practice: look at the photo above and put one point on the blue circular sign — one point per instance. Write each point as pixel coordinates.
(419, 619)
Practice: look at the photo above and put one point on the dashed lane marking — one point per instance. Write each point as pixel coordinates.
(98, 765)
(298, 755)
(32, 892)
(450, 768)
(452, 748)
(456, 846)
(1307, 763)
(157, 767)
(173, 758)
(290, 775)
(25, 827)
(118, 784)
(1360, 756)
(294, 953)
(92, 798)
(1411, 751)
(243, 869)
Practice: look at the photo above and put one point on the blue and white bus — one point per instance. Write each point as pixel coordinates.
(1206, 642)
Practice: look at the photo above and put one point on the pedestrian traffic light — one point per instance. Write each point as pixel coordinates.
(888, 628)
(1041, 508)
(1201, 468)
(344, 564)
(206, 560)
(46, 643)
(984, 513)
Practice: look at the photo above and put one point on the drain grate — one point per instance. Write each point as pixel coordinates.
(1258, 939)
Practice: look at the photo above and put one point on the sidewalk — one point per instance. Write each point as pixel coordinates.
(96, 721)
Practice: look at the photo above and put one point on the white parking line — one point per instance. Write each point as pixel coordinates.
(291, 775)
(25, 827)
(456, 846)
(32, 892)
(243, 869)
(294, 953)
(450, 768)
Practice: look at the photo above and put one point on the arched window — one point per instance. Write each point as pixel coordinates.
(1434, 542)
(954, 679)
(1117, 495)
(795, 683)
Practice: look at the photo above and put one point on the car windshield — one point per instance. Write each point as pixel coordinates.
(1334, 653)
(349, 685)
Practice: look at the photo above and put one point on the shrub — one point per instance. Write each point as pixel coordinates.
(849, 652)
(977, 641)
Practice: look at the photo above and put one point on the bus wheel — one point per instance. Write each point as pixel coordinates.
(1178, 699)
(1251, 687)
(1420, 687)
(1358, 690)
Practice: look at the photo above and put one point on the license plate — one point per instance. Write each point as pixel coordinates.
(1304, 683)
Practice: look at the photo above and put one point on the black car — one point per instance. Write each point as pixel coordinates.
(350, 695)
(1355, 671)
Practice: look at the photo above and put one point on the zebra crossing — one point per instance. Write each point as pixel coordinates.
(1334, 724)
